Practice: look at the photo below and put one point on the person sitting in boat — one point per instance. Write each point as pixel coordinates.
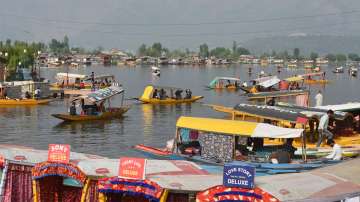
(280, 156)
(155, 94)
(82, 84)
(288, 147)
(72, 110)
(336, 153)
(27, 95)
(188, 94)
(254, 89)
(323, 127)
(162, 94)
(178, 95)
(37, 93)
(228, 84)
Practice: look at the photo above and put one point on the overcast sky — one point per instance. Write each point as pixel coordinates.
(126, 24)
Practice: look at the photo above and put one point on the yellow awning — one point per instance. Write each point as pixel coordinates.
(241, 128)
(294, 79)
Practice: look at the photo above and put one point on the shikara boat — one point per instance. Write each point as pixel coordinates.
(149, 96)
(99, 112)
(309, 78)
(218, 141)
(80, 81)
(353, 71)
(229, 83)
(339, 70)
(155, 71)
(24, 101)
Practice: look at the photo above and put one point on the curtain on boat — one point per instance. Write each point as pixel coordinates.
(51, 188)
(18, 184)
(92, 195)
(216, 147)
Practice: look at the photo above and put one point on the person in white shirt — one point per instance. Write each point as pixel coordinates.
(323, 125)
(37, 93)
(336, 153)
(319, 99)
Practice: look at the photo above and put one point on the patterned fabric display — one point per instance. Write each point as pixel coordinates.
(143, 188)
(222, 194)
(216, 147)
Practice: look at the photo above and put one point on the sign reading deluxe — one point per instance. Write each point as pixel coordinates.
(242, 176)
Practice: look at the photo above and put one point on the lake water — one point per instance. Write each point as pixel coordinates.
(147, 124)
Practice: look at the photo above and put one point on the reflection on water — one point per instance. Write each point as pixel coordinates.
(145, 123)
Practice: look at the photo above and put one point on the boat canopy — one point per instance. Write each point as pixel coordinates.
(238, 128)
(63, 75)
(102, 77)
(313, 74)
(269, 81)
(104, 93)
(216, 79)
(294, 79)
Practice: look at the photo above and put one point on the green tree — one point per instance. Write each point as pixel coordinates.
(296, 54)
(242, 51)
(353, 57)
(313, 56)
(220, 52)
(142, 51)
(340, 57)
(234, 47)
(331, 57)
(204, 50)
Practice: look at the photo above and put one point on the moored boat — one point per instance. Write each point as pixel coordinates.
(229, 83)
(218, 141)
(167, 95)
(155, 71)
(24, 101)
(339, 70)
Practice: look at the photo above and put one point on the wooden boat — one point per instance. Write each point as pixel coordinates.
(155, 71)
(97, 98)
(353, 71)
(193, 134)
(24, 101)
(110, 114)
(147, 96)
(339, 70)
(80, 81)
(229, 83)
(309, 78)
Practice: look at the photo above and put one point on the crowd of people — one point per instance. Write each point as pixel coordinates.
(162, 94)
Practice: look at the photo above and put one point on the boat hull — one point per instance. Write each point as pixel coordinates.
(113, 113)
(24, 102)
(171, 101)
(316, 81)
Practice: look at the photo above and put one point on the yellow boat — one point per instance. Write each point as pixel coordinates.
(147, 96)
(96, 110)
(110, 114)
(24, 101)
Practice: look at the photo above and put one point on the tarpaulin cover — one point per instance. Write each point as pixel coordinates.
(226, 194)
(144, 188)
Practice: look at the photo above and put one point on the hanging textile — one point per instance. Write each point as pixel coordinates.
(302, 100)
(216, 147)
(143, 188)
(46, 169)
(18, 184)
(92, 195)
(225, 194)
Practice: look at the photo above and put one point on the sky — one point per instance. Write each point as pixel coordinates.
(126, 24)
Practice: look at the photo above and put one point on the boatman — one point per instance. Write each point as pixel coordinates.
(319, 99)
(323, 127)
(37, 93)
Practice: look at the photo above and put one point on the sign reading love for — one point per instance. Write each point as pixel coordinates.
(132, 168)
(59, 153)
